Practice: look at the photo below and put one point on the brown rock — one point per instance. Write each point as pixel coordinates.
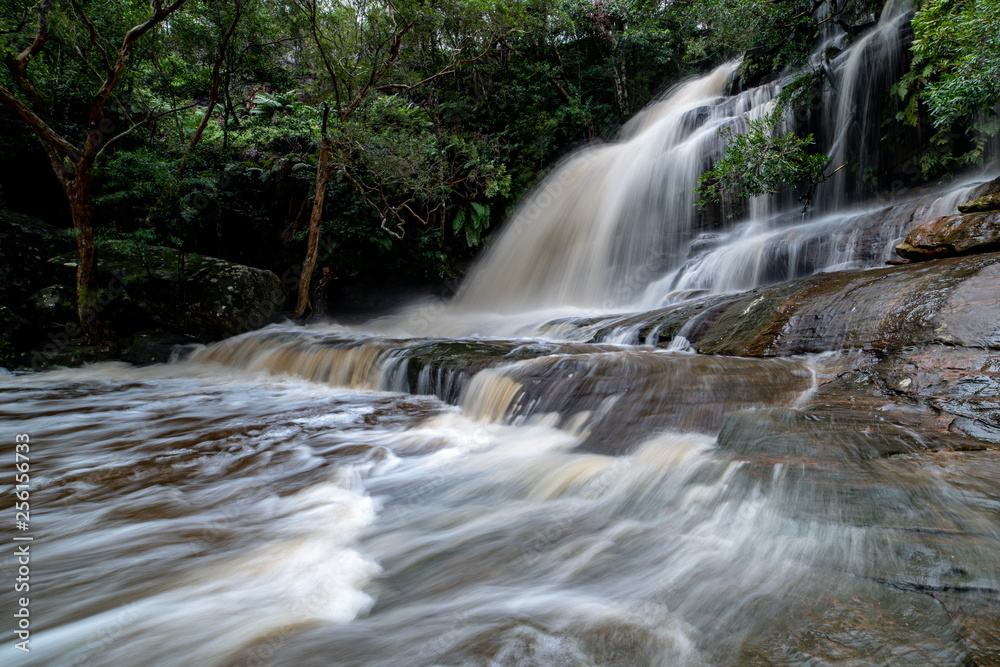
(987, 203)
(952, 235)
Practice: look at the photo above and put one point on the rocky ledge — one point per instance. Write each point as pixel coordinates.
(917, 345)
(975, 229)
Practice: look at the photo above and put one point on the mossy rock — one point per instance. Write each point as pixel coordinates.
(987, 203)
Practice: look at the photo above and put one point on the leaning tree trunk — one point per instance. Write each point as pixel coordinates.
(78, 189)
(322, 178)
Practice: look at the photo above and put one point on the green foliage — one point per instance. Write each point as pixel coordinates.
(480, 99)
(956, 58)
(955, 76)
(760, 161)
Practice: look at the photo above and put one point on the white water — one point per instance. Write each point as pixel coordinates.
(279, 499)
(614, 228)
(197, 515)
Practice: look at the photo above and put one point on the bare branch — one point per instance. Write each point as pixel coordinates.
(326, 61)
(19, 66)
(97, 106)
(449, 69)
(41, 35)
(214, 96)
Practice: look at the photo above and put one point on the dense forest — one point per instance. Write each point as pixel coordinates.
(367, 142)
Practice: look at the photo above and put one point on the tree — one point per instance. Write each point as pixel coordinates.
(73, 162)
(760, 161)
(358, 44)
(954, 75)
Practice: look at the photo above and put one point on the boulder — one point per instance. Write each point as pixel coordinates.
(230, 298)
(25, 245)
(52, 305)
(987, 203)
(953, 235)
(156, 288)
(150, 347)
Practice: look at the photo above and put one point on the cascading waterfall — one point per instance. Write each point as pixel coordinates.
(615, 226)
(594, 232)
(863, 75)
(522, 478)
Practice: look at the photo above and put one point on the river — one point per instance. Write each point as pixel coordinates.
(538, 473)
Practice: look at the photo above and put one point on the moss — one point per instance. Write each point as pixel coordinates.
(988, 203)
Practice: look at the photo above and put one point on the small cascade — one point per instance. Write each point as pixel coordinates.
(491, 396)
(862, 77)
(579, 388)
(615, 400)
(758, 252)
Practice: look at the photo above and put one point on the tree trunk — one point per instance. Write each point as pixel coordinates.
(621, 89)
(322, 178)
(78, 189)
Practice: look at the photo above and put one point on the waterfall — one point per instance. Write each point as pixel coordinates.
(862, 77)
(615, 227)
(611, 217)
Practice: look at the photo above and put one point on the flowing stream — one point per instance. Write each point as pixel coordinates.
(520, 477)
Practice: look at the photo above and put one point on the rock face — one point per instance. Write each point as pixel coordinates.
(984, 191)
(191, 294)
(916, 345)
(953, 235)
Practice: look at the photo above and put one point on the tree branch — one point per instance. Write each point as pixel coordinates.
(214, 96)
(142, 122)
(93, 35)
(97, 106)
(323, 56)
(41, 129)
(448, 69)
(19, 65)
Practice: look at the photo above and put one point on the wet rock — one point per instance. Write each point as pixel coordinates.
(986, 189)
(880, 310)
(976, 618)
(617, 400)
(52, 305)
(952, 235)
(150, 347)
(987, 203)
(969, 316)
(801, 437)
(706, 241)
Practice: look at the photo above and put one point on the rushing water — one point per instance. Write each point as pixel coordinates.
(521, 478)
(198, 514)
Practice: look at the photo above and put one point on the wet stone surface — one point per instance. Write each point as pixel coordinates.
(967, 233)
